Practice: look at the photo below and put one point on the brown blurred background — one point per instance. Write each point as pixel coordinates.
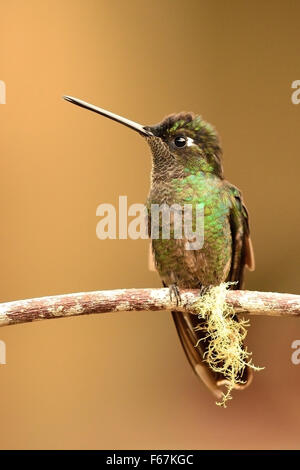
(122, 381)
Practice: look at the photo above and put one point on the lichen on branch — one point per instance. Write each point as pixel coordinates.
(226, 353)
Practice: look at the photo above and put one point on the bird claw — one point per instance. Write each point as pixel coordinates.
(174, 291)
(204, 290)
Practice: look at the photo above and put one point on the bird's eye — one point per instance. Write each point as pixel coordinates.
(180, 141)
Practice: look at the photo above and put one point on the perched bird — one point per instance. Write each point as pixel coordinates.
(187, 169)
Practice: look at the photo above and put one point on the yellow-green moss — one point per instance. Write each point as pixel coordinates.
(226, 353)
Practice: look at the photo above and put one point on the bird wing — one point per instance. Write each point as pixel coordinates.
(242, 250)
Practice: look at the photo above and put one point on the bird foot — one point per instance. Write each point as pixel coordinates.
(204, 290)
(174, 291)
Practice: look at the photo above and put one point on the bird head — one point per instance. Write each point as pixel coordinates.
(180, 144)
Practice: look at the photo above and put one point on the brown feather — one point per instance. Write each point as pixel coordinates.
(249, 254)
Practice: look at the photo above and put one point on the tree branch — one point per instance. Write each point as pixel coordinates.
(127, 300)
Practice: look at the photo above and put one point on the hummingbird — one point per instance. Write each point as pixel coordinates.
(187, 168)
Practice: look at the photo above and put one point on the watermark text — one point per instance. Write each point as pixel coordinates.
(2, 92)
(158, 221)
(2, 352)
(295, 358)
(295, 97)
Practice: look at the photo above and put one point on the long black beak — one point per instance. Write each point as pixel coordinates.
(126, 122)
